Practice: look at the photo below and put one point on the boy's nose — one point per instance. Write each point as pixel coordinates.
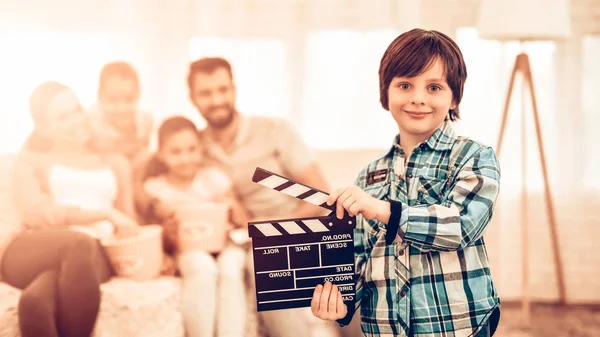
(418, 100)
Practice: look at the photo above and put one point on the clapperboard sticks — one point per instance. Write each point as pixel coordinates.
(293, 256)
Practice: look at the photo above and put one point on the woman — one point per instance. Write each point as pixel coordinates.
(67, 197)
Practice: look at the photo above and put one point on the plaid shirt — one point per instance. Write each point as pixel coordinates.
(434, 279)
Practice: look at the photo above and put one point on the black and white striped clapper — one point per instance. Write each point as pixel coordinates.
(293, 256)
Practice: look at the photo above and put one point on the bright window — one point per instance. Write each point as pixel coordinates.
(31, 57)
(489, 66)
(259, 71)
(591, 113)
(341, 106)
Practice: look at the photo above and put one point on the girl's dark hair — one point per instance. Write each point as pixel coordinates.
(413, 53)
(169, 127)
(41, 96)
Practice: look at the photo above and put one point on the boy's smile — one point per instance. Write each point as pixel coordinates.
(418, 114)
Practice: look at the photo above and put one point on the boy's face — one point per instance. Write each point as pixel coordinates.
(420, 104)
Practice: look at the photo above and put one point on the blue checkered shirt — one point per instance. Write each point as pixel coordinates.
(434, 278)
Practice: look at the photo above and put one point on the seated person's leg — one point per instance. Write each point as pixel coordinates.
(76, 258)
(198, 299)
(232, 295)
(37, 306)
(79, 286)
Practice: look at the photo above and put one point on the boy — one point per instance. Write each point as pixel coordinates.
(421, 264)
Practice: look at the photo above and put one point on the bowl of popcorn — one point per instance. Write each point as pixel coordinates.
(203, 226)
(137, 255)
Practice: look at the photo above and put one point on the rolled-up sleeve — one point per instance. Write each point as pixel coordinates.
(463, 217)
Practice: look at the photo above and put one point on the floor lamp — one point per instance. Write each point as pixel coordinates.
(523, 21)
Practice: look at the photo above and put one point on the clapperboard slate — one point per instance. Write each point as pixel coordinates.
(293, 256)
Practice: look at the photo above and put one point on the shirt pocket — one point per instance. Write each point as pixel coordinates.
(379, 190)
(430, 190)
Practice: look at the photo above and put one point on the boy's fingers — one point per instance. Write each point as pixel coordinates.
(314, 304)
(339, 209)
(334, 196)
(354, 209)
(333, 300)
(323, 303)
(349, 201)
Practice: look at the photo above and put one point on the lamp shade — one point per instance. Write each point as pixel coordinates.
(524, 20)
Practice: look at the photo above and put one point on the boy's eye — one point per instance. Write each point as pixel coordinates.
(404, 86)
(435, 88)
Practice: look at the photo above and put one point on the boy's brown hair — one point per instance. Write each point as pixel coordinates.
(413, 53)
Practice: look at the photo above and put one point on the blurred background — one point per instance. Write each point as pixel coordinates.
(315, 63)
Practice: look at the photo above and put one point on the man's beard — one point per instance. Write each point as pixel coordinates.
(220, 122)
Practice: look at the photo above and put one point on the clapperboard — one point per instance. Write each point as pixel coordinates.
(293, 256)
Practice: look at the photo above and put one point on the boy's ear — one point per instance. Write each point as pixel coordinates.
(453, 106)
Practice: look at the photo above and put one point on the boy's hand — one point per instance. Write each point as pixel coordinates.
(356, 201)
(327, 303)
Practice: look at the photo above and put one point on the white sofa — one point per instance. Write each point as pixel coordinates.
(151, 308)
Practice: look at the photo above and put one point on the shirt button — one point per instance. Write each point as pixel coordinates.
(401, 252)
(410, 176)
(402, 293)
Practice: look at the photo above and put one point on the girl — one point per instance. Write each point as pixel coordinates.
(61, 185)
(184, 181)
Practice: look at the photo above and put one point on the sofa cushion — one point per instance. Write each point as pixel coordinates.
(128, 308)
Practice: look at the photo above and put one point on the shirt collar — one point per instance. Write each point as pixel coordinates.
(441, 140)
(241, 135)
